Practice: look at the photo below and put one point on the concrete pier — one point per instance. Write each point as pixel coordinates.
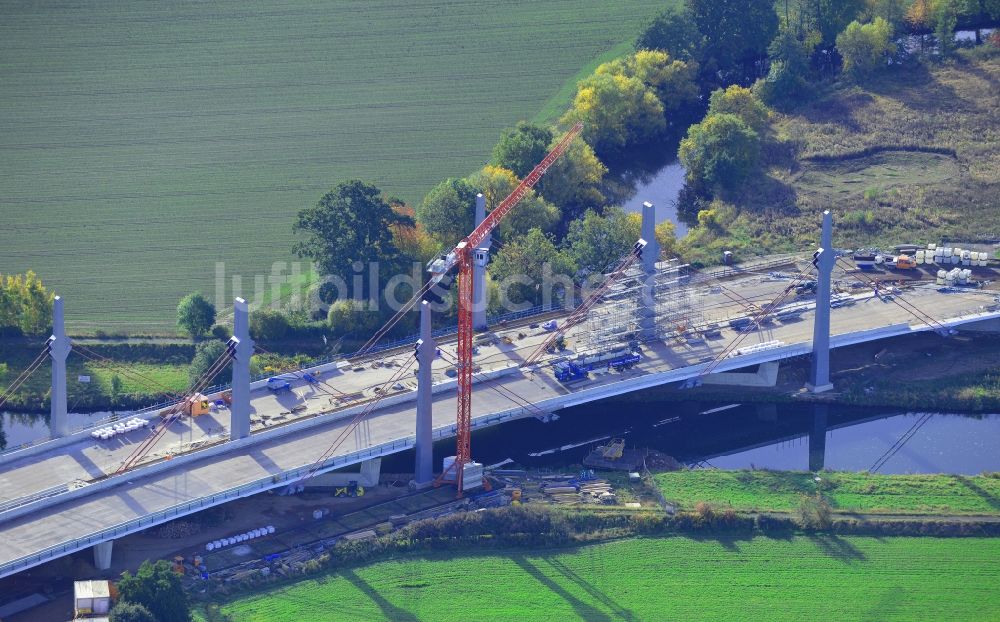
(59, 348)
(241, 349)
(424, 468)
(102, 555)
(650, 255)
(819, 375)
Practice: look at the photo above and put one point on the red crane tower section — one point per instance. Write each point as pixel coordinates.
(463, 257)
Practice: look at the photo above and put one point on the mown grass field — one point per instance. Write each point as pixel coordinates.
(847, 492)
(142, 143)
(817, 160)
(801, 578)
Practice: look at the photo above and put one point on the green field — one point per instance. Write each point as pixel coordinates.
(800, 578)
(141, 143)
(847, 492)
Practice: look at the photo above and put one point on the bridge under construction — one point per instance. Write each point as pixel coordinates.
(651, 322)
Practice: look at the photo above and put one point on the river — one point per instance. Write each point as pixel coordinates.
(722, 435)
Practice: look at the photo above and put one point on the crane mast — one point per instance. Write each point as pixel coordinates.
(462, 258)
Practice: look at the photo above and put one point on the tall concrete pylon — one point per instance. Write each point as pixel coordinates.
(59, 348)
(650, 255)
(423, 472)
(241, 349)
(479, 299)
(819, 375)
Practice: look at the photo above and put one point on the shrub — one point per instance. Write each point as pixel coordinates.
(222, 333)
(195, 315)
(721, 151)
(268, 325)
(865, 48)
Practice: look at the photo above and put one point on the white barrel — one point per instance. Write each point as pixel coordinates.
(920, 257)
(270, 529)
(947, 251)
(210, 546)
(932, 247)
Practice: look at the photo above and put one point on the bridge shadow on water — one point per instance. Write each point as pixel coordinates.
(389, 610)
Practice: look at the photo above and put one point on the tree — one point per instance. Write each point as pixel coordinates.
(532, 211)
(736, 31)
(269, 325)
(830, 17)
(625, 101)
(740, 101)
(116, 388)
(349, 316)
(594, 242)
(865, 48)
(521, 148)
(520, 266)
(125, 611)
(205, 356)
(720, 151)
(448, 211)
(158, 588)
(573, 181)
(944, 29)
(892, 11)
(352, 224)
(674, 32)
(25, 304)
(195, 314)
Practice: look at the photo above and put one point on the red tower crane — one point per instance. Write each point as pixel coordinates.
(463, 256)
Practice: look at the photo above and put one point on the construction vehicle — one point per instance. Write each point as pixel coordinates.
(569, 371)
(804, 289)
(904, 262)
(278, 385)
(350, 490)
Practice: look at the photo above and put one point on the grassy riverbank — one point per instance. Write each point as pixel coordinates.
(755, 578)
(847, 493)
(913, 156)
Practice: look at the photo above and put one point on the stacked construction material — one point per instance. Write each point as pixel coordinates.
(240, 538)
(122, 427)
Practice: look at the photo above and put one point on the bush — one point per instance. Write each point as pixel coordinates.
(222, 333)
(195, 315)
(720, 151)
(865, 48)
(268, 325)
(741, 102)
(125, 611)
(158, 588)
(205, 356)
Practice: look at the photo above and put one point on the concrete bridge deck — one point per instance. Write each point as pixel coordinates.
(41, 517)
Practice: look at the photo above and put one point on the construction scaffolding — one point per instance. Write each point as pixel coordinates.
(616, 325)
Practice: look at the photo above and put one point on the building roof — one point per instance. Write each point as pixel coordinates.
(91, 589)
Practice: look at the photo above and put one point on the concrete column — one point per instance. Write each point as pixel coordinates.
(102, 555)
(59, 348)
(241, 349)
(819, 376)
(367, 476)
(650, 255)
(423, 472)
(817, 438)
(479, 298)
